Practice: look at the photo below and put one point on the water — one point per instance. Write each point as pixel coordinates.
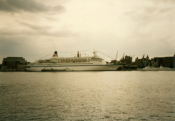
(87, 96)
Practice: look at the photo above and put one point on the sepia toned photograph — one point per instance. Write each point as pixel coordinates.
(87, 60)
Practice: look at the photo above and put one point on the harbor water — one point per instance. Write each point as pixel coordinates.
(87, 96)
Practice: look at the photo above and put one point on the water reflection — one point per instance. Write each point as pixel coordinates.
(87, 96)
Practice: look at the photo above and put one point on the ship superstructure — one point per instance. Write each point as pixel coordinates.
(77, 63)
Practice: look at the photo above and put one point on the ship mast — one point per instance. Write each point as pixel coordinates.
(95, 53)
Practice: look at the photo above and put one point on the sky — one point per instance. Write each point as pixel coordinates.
(34, 29)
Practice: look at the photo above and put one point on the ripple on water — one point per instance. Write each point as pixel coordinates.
(87, 96)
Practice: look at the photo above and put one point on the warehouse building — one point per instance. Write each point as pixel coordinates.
(13, 63)
(168, 61)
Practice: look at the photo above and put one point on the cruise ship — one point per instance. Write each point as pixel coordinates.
(78, 63)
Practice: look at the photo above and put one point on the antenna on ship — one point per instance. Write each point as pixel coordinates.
(95, 53)
(78, 54)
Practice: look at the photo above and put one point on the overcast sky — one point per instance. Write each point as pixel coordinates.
(35, 28)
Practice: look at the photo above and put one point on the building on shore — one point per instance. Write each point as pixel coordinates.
(174, 62)
(168, 61)
(143, 62)
(13, 63)
(127, 63)
(18, 63)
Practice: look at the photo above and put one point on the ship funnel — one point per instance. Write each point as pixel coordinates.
(55, 54)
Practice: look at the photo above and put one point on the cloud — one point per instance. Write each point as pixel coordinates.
(28, 29)
(31, 47)
(16, 47)
(35, 27)
(142, 27)
(164, 1)
(51, 18)
(160, 9)
(48, 31)
(27, 6)
(153, 28)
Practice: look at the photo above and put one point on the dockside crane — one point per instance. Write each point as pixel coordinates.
(133, 56)
(123, 55)
(122, 58)
(116, 56)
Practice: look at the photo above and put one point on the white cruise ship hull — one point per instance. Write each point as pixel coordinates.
(106, 67)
